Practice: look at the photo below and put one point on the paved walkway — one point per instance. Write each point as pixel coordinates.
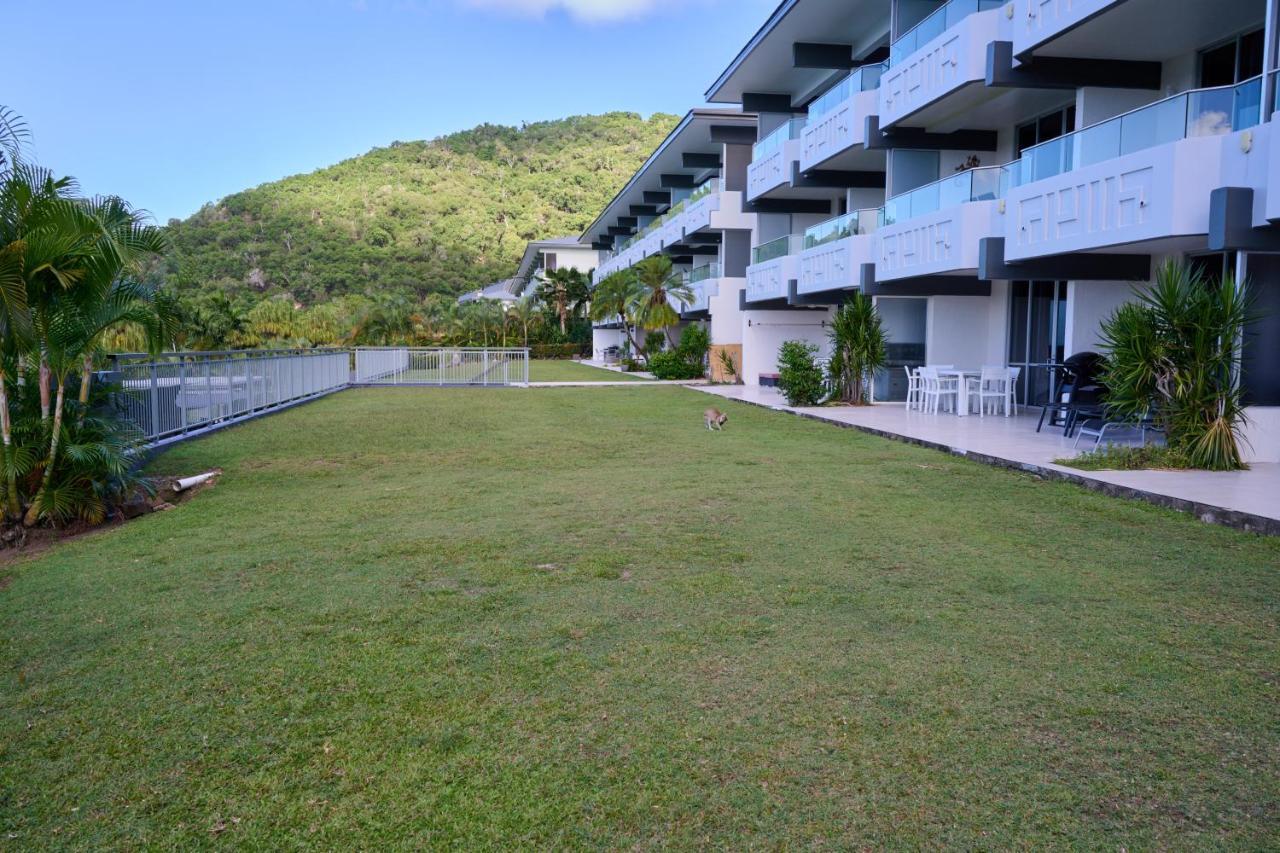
(1246, 499)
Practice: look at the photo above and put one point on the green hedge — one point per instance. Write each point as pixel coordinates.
(555, 350)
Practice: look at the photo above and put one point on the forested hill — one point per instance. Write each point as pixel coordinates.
(446, 216)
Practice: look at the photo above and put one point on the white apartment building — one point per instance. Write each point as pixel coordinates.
(998, 174)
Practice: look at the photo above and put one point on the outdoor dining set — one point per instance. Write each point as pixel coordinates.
(938, 388)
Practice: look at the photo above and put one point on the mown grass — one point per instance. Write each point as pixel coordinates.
(575, 618)
(564, 370)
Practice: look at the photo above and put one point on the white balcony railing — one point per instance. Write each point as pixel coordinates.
(1201, 112)
(777, 138)
(853, 223)
(1039, 21)
(863, 79)
(942, 19)
(985, 183)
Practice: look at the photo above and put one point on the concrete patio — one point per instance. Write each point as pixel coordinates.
(1246, 499)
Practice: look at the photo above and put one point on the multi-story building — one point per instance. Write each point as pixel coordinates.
(999, 173)
(686, 202)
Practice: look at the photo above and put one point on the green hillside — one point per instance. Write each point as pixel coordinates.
(443, 216)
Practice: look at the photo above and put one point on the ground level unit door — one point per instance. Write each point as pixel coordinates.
(1037, 336)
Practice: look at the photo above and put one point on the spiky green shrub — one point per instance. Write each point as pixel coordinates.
(858, 348)
(1173, 354)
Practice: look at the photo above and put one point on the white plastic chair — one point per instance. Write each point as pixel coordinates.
(938, 390)
(994, 386)
(915, 388)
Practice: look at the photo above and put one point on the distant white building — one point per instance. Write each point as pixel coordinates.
(506, 291)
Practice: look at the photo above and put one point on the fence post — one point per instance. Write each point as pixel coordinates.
(181, 395)
(155, 400)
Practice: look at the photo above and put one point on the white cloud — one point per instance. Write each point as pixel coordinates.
(584, 10)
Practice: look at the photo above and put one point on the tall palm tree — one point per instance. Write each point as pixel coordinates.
(566, 290)
(613, 299)
(104, 295)
(656, 286)
(524, 312)
(13, 134)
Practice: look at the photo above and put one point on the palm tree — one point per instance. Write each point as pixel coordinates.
(566, 290)
(613, 299)
(656, 286)
(103, 295)
(13, 134)
(524, 311)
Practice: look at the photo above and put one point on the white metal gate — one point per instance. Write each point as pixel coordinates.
(442, 366)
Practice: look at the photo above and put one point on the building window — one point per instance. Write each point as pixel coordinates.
(1046, 127)
(549, 261)
(1232, 62)
(1037, 336)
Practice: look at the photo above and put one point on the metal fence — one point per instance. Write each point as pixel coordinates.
(456, 366)
(179, 394)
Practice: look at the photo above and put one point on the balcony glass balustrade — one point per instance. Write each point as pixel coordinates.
(1200, 112)
(853, 223)
(943, 18)
(986, 183)
(777, 138)
(863, 79)
(788, 244)
(703, 273)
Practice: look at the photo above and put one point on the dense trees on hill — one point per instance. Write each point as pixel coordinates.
(412, 219)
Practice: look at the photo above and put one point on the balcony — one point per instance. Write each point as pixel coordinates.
(1142, 176)
(943, 53)
(935, 229)
(773, 264)
(1039, 21)
(833, 252)
(704, 281)
(771, 158)
(837, 120)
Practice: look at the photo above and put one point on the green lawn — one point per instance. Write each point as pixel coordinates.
(563, 370)
(575, 618)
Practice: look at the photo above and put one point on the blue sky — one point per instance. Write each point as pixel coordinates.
(172, 103)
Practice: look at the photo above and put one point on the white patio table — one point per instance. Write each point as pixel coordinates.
(962, 394)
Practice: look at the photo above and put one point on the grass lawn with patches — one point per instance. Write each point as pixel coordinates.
(576, 618)
(564, 370)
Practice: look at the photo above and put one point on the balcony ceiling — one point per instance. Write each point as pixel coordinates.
(1156, 30)
(765, 64)
(691, 136)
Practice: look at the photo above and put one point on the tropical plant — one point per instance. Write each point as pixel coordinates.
(1173, 354)
(858, 348)
(567, 291)
(69, 282)
(799, 377)
(613, 299)
(524, 313)
(729, 366)
(687, 360)
(656, 286)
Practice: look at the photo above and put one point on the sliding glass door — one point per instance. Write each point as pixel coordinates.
(1037, 336)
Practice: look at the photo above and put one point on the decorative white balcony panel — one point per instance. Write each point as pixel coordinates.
(768, 280)
(836, 265)
(1038, 21)
(952, 60)
(938, 243)
(1154, 194)
(773, 170)
(839, 130)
